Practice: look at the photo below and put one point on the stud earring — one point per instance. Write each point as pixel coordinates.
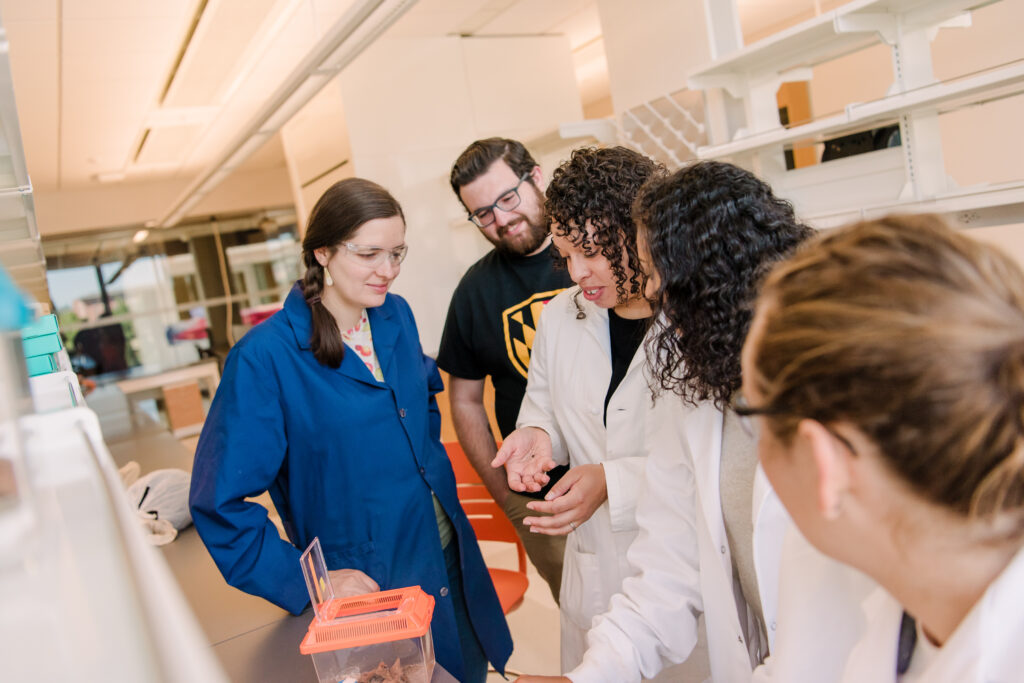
(328, 280)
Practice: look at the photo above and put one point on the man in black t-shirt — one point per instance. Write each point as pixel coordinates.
(493, 315)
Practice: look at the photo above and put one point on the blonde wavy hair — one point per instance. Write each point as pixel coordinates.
(914, 334)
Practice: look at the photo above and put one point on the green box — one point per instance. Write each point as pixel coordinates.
(41, 327)
(40, 365)
(40, 346)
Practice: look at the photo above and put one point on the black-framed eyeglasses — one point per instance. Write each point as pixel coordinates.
(509, 200)
(745, 411)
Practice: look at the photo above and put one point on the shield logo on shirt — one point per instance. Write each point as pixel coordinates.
(520, 325)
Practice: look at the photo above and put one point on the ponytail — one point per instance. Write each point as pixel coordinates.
(325, 340)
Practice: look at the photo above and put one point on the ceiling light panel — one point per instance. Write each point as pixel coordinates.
(115, 56)
(263, 73)
(218, 48)
(163, 145)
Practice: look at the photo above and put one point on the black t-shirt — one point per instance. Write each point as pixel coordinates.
(626, 336)
(491, 323)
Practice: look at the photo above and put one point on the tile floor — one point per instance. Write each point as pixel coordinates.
(534, 624)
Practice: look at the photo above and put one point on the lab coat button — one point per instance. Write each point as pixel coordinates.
(739, 639)
(773, 626)
(401, 412)
(444, 591)
(723, 550)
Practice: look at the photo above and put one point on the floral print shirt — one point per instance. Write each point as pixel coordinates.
(360, 340)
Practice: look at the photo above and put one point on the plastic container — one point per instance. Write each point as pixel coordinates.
(374, 638)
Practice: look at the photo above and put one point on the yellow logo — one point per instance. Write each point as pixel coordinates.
(520, 323)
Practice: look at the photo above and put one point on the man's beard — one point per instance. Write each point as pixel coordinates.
(525, 243)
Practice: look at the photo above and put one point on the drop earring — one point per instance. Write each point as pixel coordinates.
(328, 280)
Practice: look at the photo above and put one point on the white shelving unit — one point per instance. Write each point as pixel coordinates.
(84, 596)
(998, 82)
(20, 251)
(911, 177)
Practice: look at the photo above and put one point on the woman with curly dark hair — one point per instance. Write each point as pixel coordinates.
(712, 231)
(711, 529)
(587, 392)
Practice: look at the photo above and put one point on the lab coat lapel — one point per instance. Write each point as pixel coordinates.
(596, 323)
(382, 327)
(707, 460)
(385, 330)
(874, 657)
(769, 523)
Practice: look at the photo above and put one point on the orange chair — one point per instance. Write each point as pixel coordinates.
(490, 524)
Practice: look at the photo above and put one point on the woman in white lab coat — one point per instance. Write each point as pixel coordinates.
(711, 230)
(886, 363)
(586, 389)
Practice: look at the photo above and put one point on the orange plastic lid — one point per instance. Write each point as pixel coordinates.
(370, 619)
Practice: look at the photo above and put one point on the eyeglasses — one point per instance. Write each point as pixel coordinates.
(746, 412)
(371, 257)
(484, 216)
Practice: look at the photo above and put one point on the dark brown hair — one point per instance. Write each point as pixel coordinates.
(914, 334)
(338, 214)
(713, 231)
(478, 157)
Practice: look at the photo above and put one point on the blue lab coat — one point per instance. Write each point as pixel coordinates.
(345, 458)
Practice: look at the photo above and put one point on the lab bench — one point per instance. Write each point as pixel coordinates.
(254, 640)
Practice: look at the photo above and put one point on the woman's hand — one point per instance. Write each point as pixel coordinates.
(542, 679)
(526, 455)
(570, 502)
(349, 582)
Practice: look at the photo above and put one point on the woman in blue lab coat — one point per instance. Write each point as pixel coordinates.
(342, 429)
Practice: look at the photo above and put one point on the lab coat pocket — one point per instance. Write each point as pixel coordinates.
(355, 556)
(581, 592)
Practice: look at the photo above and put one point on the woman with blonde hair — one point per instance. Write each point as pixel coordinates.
(886, 365)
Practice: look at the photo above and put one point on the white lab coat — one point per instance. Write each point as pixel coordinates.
(819, 615)
(846, 630)
(685, 563)
(570, 368)
(985, 648)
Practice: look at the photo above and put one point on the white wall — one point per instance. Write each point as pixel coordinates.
(413, 104)
(315, 141)
(983, 144)
(651, 45)
(125, 204)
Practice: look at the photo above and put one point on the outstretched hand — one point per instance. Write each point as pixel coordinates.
(570, 502)
(526, 455)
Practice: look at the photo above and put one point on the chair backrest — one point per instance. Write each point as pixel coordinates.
(464, 471)
(490, 524)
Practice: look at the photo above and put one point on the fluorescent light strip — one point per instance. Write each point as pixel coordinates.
(328, 49)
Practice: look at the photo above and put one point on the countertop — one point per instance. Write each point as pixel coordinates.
(254, 640)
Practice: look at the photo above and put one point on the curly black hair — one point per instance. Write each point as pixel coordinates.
(713, 231)
(599, 185)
